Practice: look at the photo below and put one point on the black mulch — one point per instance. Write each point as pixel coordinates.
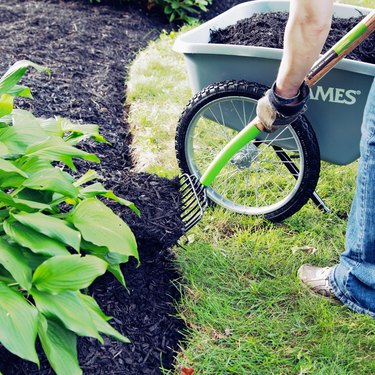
(88, 48)
(267, 30)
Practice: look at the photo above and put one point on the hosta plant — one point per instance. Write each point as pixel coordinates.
(56, 234)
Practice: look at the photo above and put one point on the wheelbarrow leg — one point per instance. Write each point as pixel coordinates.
(292, 168)
(320, 203)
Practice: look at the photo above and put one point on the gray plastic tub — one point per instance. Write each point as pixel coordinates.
(336, 103)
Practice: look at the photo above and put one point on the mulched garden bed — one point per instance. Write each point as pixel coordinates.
(88, 48)
(267, 30)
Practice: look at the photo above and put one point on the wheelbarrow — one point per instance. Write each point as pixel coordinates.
(275, 174)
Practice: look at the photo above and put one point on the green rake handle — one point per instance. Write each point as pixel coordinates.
(246, 135)
(344, 46)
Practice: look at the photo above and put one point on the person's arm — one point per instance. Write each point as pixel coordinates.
(306, 31)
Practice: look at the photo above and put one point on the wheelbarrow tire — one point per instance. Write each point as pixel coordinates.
(289, 159)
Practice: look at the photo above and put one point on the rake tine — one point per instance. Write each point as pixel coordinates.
(186, 188)
(193, 211)
(194, 200)
(194, 216)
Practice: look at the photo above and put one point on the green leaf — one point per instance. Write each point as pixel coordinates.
(10, 175)
(100, 226)
(33, 240)
(29, 205)
(26, 130)
(60, 126)
(21, 91)
(100, 319)
(6, 121)
(10, 142)
(28, 127)
(98, 189)
(18, 322)
(109, 194)
(60, 346)
(55, 149)
(34, 260)
(68, 272)
(88, 130)
(115, 270)
(33, 164)
(93, 249)
(113, 259)
(6, 104)
(6, 276)
(21, 205)
(68, 308)
(13, 260)
(40, 196)
(4, 213)
(8, 167)
(15, 73)
(87, 177)
(52, 179)
(51, 227)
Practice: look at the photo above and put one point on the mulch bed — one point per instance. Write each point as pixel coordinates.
(267, 30)
(88, 48)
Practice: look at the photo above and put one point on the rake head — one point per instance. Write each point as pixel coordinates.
(194, 200)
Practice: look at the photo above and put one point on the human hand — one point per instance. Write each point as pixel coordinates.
(274, 111)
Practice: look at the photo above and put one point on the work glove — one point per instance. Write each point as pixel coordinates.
(274, 111)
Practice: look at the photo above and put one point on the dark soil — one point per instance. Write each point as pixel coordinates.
(88, 48)
(267, 30)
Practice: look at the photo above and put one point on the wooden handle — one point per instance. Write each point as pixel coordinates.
(342, 48)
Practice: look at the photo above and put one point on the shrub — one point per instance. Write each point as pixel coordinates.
(176, 10)
(182, 9)
(56, 236)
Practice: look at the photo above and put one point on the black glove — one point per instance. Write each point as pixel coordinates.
(274, 111)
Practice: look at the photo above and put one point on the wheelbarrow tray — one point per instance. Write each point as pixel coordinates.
(337, 101)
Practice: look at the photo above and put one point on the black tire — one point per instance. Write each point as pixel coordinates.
(295, 145)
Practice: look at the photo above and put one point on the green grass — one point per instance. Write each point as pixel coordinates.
(245, 310)
(362, 3)
(157, 90)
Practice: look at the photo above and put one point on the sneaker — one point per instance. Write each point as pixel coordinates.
(316, 279)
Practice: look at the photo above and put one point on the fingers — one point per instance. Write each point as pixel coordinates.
(266, 112)
(258, 124)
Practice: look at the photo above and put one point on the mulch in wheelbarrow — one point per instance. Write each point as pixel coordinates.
(267, 30)
(88, 48)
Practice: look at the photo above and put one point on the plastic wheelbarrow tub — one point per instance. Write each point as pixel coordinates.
(337, 101)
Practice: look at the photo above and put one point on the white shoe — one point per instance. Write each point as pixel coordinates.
(316, 278)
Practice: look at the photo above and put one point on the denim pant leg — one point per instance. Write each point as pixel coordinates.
(353, 279)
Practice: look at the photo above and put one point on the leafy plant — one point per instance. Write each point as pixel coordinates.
(176, 10)
(56, 236)
(182, 9)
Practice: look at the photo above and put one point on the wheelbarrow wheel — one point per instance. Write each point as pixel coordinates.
(274, 175)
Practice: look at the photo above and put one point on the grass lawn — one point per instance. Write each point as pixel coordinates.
(244, 307)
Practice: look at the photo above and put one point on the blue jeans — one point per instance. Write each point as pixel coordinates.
(353, 279)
